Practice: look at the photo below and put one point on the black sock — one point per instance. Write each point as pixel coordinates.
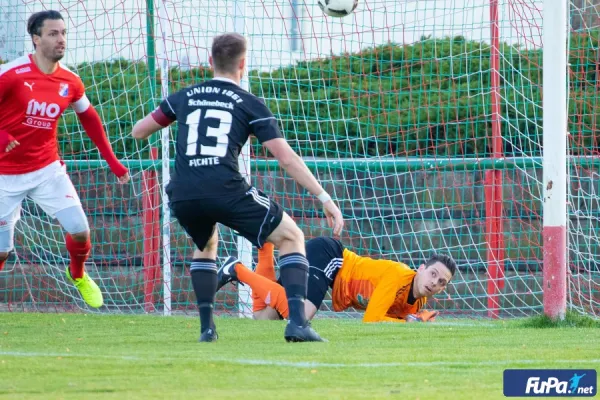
(204, 281)
(293, 270)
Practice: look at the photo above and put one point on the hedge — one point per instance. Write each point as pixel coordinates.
(430, 98)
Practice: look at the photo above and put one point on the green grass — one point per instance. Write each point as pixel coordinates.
(78, 356)
(571, 320)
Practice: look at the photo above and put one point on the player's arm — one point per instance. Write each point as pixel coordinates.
(145, 127)
(423, 316)
(92, 124)
(416, 313)
(160, 118)
(383, 297)
(7, 142)
(265, 128)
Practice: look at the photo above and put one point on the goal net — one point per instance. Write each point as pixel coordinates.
(422, 118)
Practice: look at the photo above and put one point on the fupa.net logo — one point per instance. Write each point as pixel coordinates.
(548, 382)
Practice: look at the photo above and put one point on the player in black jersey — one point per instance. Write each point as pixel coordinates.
(215, 119)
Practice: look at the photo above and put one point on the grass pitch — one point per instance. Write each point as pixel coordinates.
(78, 356)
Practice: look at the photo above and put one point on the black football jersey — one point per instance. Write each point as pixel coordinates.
(214, 119)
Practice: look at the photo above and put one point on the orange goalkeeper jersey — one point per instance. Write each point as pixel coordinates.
(381, 287)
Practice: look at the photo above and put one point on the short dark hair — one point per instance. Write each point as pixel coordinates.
(444, 259)
(227, 50)
(36, 21)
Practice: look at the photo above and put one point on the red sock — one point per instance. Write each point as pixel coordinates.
(265, 292)
(79, 252)
(266, 265)
(2, 264)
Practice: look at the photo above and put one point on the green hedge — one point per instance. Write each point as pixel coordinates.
(428, 98)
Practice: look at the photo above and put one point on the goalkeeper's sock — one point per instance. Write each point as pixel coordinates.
(266, 264)
(204, 281)
(294, 277)
(79, 252)
(265, 292)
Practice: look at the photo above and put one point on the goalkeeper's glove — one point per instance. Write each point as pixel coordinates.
(423, 316)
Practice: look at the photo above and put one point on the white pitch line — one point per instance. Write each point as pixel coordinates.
(72, 355)
(309, 364)
(300, 364)
(471, 324)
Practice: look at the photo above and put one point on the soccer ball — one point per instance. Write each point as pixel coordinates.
(337, 8)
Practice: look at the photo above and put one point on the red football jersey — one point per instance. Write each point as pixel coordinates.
(31, 103)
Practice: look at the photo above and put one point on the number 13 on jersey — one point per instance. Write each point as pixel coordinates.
(220, 133)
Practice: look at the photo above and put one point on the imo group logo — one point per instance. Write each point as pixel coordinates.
(550, 382)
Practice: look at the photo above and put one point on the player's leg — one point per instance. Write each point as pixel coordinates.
(259, 220)
(204, 280)
(56, 195)
(78, 243)
(267, 314)
(7, 230)
(203, 269)
(265, 292)
(325, 256)
(293, 267)
(266, 264)
(7, 234)
(266, 268)
(12, 194)
(268, 297)
(269, 301)
(7, 238)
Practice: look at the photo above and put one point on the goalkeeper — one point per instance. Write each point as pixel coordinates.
(388, 291)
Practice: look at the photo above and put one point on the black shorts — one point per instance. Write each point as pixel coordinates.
(325, 256)
(252, 215)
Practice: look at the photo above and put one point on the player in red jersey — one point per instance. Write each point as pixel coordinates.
(34, 92)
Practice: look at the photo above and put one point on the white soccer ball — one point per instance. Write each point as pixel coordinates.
(337, 8)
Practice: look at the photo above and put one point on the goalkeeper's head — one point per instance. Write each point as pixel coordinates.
(228, 56)
(433, 276)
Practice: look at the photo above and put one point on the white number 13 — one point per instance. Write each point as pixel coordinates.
(221, 132)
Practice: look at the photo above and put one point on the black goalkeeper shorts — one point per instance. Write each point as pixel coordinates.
(325, 256)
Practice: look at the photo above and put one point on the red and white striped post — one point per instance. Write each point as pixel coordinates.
(494, 227)
(151, 218)
(555, 157)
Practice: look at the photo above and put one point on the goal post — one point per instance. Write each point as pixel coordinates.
(554, 184)
(244, 246)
